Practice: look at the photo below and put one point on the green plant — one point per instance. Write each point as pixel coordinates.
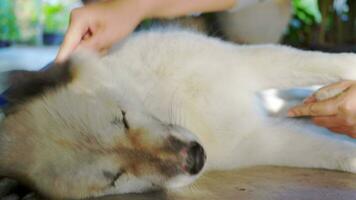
(55, 18)
(323, 24)
(307, 11)
(8, 27)
(306, 16)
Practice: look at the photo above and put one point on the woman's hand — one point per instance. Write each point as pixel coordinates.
(337, 113)
(99, 25)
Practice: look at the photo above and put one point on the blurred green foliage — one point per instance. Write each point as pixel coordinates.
(8, 27)
(28, 16)
(56, 17)
(307, 11)
(24, 21)
(306, 15)
(323, 24)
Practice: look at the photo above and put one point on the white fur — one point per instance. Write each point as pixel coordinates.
(165, 77)
(209, 86)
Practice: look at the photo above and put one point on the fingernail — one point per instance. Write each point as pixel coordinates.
(308, 100)
(291, 114)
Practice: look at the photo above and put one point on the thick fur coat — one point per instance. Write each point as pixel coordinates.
(111, 127)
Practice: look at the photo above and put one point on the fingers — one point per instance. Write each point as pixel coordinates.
(333, 103)
(330, 121)
(96, 41)
(321, 108)
(310, 99)
(77, 29)
(328, 91)
(337, 125)
(332, 90)
(350, 131)
(341, 129)
(341, 85)
(98, 26)
(331, 107)
(99, 42)
(102, 38)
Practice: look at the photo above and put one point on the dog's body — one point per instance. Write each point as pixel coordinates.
(178, 77)
(209, 87)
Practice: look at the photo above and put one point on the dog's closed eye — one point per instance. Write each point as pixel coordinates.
(124, 120)
(112, 176)
(117, 121)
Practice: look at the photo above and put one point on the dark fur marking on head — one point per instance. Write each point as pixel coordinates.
(25, 85)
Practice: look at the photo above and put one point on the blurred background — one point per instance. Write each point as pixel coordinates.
(34, 22)
(31, 30)
(324, 24)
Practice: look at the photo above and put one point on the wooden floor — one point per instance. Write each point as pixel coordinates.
(262, 183)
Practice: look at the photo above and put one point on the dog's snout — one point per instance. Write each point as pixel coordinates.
(195, 159)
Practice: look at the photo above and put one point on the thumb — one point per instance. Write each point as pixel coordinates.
(320, 108)
(96, 42)
(332, 90)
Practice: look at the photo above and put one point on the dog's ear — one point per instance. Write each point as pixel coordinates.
(26, 85)
(80, 70)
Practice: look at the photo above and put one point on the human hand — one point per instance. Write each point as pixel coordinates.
(99, 25)
(332, 107)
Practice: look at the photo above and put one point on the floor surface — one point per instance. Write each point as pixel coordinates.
(263, 183)
(256, 183)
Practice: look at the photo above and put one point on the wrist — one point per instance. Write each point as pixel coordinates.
(176, 8)
(150, 8)
(138, 9)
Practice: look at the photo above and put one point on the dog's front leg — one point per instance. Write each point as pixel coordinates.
(286, 144)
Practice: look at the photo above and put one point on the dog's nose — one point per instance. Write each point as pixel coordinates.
(196, 158)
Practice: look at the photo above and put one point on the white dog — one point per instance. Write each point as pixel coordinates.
(158, 111)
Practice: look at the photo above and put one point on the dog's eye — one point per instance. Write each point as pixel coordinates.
(113, 177)
(124, 120)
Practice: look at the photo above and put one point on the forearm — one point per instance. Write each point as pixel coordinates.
(176, 8)
(241, 4)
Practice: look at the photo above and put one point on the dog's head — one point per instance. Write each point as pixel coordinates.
(77, 130)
